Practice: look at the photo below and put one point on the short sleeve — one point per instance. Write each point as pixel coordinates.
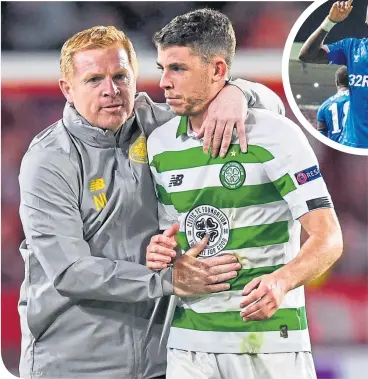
(338, 51)
(295, 172)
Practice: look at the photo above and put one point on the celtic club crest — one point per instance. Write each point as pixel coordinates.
(138, 151)
(207, 220)
(232, 175)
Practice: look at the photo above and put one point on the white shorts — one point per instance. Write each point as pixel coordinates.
(197, 365)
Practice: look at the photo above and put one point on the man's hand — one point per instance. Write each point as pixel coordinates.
(160, 252)
(192, 277)
(340, 10)
(262, 298)
(227, 110)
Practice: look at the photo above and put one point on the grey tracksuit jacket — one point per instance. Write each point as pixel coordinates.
(88, 210)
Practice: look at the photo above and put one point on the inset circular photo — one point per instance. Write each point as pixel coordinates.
(325, 73)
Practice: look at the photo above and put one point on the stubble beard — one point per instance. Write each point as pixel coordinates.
(193, 107)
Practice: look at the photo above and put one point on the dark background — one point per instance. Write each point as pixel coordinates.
(46, 25)
(353, 26)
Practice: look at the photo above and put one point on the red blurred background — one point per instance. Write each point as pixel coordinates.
(337, 303)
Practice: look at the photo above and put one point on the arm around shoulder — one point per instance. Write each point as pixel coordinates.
(260, 96)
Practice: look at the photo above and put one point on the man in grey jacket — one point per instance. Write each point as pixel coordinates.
(88, 210)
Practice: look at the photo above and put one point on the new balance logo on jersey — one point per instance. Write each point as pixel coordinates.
(176, 180)
(358, 80)
(284, 331)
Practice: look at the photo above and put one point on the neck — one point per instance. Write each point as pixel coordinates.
(197, 121)
(342, 89)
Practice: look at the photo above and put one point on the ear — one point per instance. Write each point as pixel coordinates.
(220, 69)
(66, 89)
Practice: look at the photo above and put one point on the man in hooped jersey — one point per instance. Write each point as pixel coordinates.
(88, 209)
(332, 114)
(249, 205)
(352, 53)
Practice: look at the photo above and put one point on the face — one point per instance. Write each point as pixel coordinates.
(102, 87)
(186, 79)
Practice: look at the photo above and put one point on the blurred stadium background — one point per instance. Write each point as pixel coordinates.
(32, 35)
(312, 84)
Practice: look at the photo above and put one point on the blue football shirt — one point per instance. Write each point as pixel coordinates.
(333, 112)
(353, 53)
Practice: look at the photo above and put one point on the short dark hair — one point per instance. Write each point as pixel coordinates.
(206, 31)
(342, 77)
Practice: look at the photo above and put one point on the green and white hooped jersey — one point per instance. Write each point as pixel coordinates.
(249, 205)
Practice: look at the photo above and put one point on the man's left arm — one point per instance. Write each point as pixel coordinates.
(314, 50)
(227, 111)
(259, 96)
(295, 174)
(321, 250)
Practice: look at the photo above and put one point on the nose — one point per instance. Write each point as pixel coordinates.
(110, 89)
(165, 82)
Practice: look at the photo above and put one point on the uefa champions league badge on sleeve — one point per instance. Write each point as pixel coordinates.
(307, 175)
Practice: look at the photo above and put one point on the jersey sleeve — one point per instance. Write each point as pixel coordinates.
(167, 214)
(260, 96)
(295, 172)
(338, 52)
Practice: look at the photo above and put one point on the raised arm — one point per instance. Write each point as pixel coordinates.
(313, 50)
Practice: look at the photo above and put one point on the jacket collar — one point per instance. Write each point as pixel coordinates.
(80, 128)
